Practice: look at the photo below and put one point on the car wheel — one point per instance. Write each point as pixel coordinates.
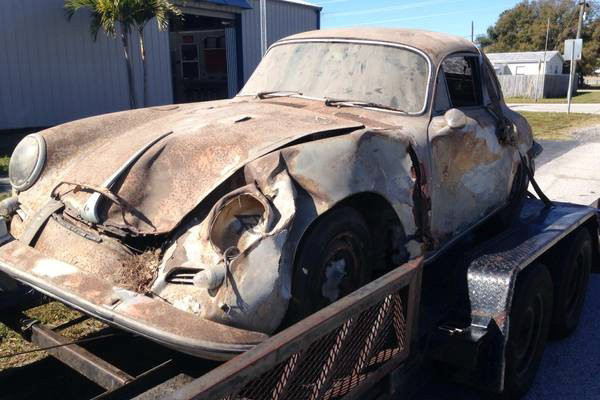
(572, 273)
(530, 317)
(333, 260)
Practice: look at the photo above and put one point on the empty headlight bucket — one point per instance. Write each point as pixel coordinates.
(239, 219)
(27, 162)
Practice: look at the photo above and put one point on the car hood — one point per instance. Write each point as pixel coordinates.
(206, 144)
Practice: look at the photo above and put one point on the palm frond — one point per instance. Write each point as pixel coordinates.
(162, 10)
(72, 6)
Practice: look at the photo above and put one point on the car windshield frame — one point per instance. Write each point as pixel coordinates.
(427, 96)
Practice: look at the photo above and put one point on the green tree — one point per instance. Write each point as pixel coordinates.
(115, 17)
(523, 28)
(147, 11)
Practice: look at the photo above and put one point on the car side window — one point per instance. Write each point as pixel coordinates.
(462, 79)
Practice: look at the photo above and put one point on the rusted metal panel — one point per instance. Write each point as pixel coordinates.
(436, 45)
(317, 341)
(210, 142)
(149, 317)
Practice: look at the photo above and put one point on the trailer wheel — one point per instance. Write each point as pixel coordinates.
(572, 273)
(530, 317)
(334, 260)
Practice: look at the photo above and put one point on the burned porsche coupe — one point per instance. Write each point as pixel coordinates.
(208, 227)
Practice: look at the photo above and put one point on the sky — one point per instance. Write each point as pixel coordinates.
(449, 16)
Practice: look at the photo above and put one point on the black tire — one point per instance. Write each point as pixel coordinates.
(530, 317)
(571, 276)
(341, 235)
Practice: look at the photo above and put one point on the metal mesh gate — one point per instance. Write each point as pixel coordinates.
(334, 353)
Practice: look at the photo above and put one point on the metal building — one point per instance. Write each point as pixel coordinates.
(51, 71)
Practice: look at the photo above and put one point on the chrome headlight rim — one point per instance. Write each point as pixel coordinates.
(36, 169)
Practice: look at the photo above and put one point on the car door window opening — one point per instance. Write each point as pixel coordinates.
(462, 80)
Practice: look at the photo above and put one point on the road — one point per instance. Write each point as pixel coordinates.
(567, 171)
(545, 107)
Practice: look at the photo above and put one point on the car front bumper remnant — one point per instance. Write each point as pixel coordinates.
(149, 317)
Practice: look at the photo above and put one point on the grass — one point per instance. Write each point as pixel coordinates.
(4, 165)
(558, 126)
(580, 97)
(51, 314)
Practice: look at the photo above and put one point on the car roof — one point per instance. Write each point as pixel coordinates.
(435, 45)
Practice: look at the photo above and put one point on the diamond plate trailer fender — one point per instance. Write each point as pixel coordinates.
(495, 266)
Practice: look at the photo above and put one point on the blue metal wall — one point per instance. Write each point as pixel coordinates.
(51, 71)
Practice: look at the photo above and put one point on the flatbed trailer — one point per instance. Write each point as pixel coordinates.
(376, 342)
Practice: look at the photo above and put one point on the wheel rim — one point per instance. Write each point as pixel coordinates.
(340, 271)
(528, 335)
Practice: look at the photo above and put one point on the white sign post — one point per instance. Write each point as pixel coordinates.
(573, 49)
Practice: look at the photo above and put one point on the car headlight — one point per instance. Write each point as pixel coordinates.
(27, 162)
(239, 219)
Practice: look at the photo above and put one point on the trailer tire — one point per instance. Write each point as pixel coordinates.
(341, 234)
(571, 276)
(530, 318)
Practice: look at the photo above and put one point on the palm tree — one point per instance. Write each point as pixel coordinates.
(146, 11)
(107, 15)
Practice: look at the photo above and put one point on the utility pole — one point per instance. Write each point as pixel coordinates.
(263, 27)
(582, 6)
(472, 31)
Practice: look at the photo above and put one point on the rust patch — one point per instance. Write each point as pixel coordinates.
(458, 154)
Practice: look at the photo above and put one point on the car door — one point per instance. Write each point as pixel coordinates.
(471, 169)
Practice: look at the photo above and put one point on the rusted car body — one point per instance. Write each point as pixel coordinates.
(183, 223)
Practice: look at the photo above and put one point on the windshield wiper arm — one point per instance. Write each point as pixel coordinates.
(358, 103)
(277, 93)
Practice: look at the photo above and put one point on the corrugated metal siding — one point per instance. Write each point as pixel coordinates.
(52, 72)
(232, 72)
(283, 19)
